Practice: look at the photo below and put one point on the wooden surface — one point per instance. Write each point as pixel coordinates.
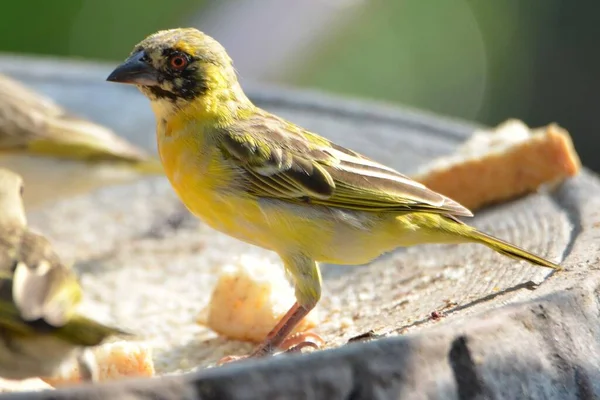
(149, 266)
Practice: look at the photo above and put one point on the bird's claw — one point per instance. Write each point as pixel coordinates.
(293, 344)
(298, 341)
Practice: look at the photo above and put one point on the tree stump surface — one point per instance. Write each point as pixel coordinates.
(507, 329)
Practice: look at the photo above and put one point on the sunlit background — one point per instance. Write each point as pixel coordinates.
(478, 60)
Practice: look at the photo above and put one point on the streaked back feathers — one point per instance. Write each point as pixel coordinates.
(284, 161)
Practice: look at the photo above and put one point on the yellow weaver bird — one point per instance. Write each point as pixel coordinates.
(268, 182)
(40, 330)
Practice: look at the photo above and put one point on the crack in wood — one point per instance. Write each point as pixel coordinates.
(529, 285)
(469, 384)
(560, 198)
(585, 389)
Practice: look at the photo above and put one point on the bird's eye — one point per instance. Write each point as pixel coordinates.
(178, 61)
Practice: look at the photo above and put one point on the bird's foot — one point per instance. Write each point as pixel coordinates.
(292, 344)
(298, 341)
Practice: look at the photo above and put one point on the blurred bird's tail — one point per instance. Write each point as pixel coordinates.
(87, 332)
(79, 139)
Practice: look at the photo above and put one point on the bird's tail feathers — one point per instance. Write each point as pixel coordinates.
(510, 250)
(87, 332)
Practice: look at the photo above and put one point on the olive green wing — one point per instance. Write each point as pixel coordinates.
(285, 162)
(278, 162)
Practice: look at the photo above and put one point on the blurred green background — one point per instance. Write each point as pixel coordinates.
(482, 60)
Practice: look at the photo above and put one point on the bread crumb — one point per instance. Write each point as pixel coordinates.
(500, 164)
(249, 299)
(115, 360)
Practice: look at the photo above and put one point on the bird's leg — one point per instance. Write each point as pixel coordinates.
(279, 337)
(283, 328)
(281, 331)
(308, 291)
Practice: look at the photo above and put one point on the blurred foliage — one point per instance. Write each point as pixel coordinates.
(103, 29)
(409, 52)
(458, 58)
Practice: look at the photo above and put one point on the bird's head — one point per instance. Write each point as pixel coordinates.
(176, 67)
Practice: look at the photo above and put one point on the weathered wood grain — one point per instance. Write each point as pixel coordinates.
(149, 266)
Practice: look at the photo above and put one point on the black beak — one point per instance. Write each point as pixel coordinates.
(135, 71)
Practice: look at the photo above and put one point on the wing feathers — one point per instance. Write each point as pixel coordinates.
(285, 162)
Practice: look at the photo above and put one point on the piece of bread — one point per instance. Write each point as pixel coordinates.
(115, 360)
(502, 164)
(249, 299)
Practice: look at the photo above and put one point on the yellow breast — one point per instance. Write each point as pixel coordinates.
(205, 182)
